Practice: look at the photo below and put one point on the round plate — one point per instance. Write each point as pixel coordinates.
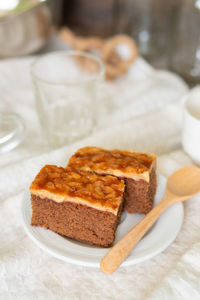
(158, 238)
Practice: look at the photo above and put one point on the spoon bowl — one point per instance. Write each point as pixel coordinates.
(184, 182)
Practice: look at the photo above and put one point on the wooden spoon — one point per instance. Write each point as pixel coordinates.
(181, 185)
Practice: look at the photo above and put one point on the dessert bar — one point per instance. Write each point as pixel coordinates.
(78, 204)
(137, 169)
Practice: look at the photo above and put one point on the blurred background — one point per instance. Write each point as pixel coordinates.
(166, 32)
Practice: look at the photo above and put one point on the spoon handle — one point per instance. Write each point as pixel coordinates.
(116, 255)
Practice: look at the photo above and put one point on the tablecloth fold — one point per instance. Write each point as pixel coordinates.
(146, 116)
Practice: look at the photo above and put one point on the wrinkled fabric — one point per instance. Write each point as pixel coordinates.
(145, 115)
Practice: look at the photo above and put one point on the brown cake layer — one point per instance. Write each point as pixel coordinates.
(139, 195)
(77, 204)
(76, 221)
(137, 169)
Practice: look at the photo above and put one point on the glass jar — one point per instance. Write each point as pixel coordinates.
(151, 27)
(184, 56)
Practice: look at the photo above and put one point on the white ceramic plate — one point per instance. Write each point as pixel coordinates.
(159, 237)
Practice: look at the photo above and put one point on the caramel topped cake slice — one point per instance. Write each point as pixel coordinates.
(137, 169)
(77, 204)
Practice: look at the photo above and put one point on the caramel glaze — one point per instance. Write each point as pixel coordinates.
(106, 190)
(98, 159)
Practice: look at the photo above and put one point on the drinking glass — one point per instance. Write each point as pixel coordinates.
(67, 85)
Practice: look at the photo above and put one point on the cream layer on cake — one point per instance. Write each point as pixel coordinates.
(66, 185)
(127, 164)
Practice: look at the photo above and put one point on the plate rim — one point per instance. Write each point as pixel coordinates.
(78, 261)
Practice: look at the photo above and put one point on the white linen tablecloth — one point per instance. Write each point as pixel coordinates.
(148, 119)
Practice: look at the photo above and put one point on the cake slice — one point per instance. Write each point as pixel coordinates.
(77, 204)
(137, 169)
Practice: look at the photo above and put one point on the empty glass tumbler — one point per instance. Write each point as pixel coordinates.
(66, 86)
